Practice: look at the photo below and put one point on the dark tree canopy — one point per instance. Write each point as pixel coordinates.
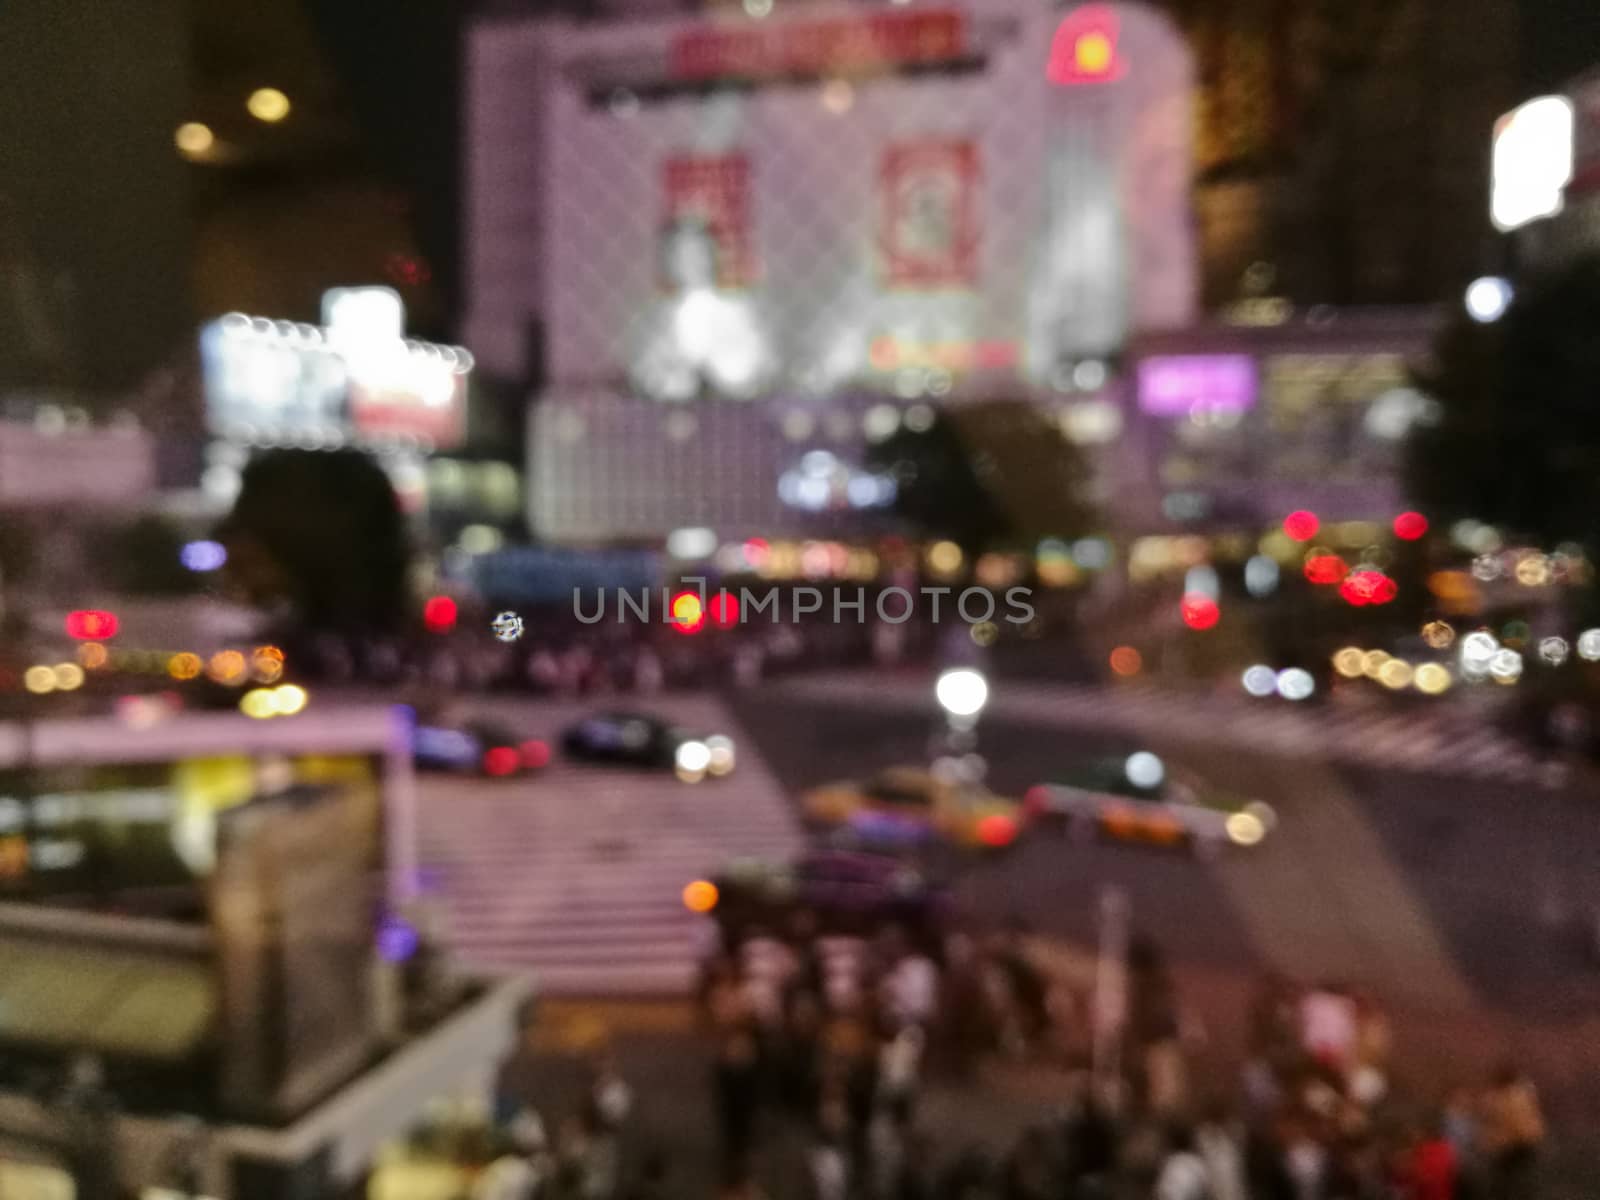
(323, 530)
(989, 473)
(1517, 439)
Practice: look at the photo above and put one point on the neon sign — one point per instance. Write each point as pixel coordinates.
(1084, 49)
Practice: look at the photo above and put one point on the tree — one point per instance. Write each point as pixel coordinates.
(324, 531)
(1516, 442)
(988, 473)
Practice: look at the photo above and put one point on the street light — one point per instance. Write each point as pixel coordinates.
(962, 692)
(1487, 299)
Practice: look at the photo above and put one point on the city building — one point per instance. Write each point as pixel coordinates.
(210, 983)
(719, 244)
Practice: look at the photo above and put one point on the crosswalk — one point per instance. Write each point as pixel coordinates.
(1446, 741)
(577, 874)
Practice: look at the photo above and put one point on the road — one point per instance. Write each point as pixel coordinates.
(1454, 895)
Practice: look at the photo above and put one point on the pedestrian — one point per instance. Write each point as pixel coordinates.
(1182, 1174)
(1511, 1133)
(1219, 1145)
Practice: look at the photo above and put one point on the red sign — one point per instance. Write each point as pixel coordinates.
(1084, 49)
(930, 214)
(707, 223)
(847, 45)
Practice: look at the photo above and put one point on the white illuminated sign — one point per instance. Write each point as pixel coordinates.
(1532, 162)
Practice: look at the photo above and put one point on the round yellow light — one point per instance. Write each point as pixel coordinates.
(1092, 54)
(1395, 674)
(258, 703)
(92, 655)
(184, 665)
(1533, 571)
(268, 104)
(226, 666)
(194, 138)
(1245, 828)
(1372, 662)
(1432, 679)
(289, 699)
(39, 680)
(945, 557)
(69, 676)
(1350, 662)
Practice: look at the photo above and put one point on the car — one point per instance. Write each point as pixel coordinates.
(475, 747)
(642, 740)
(845, 893)
(909, 807)
(1137, 798)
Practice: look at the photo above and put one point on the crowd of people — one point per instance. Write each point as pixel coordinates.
(823, 1049)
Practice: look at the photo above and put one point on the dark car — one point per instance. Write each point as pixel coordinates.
(640, 740)
(845, 892)
(475, 748)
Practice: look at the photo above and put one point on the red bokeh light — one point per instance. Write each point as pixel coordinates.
(688, 613)
(1036, 799)
(439, 614)
(500, 761)
(91, 624)
(1084, 49)
(1409, 526)
(756, 552)
(1326, 568)
(996, 829)
(1125, 660)
(1301, 525)
(1368, 587)
(535, 754)
(1200, 612)
(724, 610)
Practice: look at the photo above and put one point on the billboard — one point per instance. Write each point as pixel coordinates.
(356, 377)
(821, 184)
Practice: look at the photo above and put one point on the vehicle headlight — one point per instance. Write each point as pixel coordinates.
(1245, 828)
(691, 760)
(720, 751)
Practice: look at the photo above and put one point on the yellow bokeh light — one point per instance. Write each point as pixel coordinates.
(194, 138)
(1350, 662)
(1432, 679)
(700, 896)
(1372, 662)
(93, 656)
(1245, 828)
(1395, 674)
(39, 680)
(1092, 53)
(268, 104)
(944, 557)
(184, 665)
(1533, 571)
(289, 699)
(258, 703)
(68, 675)
(226, 666)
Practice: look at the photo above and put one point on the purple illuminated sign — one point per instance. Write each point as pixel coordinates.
(1176, 385)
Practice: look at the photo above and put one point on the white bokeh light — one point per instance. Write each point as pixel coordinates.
(1295, 684)
(962, 692)
(1260, 680)
(1145, 770)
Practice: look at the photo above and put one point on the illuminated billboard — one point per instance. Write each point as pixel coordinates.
(725, 207)
(1184, 384)
(356, 377)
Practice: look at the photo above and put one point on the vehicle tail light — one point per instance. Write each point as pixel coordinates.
(500, 760)
(997, 830)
